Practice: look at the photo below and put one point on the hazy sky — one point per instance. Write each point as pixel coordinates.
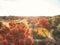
(30, 7)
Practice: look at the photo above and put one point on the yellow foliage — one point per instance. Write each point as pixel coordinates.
(43, 32)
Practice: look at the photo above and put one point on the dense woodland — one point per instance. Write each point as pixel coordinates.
(30, 30)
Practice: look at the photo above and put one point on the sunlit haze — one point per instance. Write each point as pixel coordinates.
(30, 7)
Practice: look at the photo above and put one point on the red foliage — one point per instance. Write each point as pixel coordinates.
(16, 34)
(44, 22)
